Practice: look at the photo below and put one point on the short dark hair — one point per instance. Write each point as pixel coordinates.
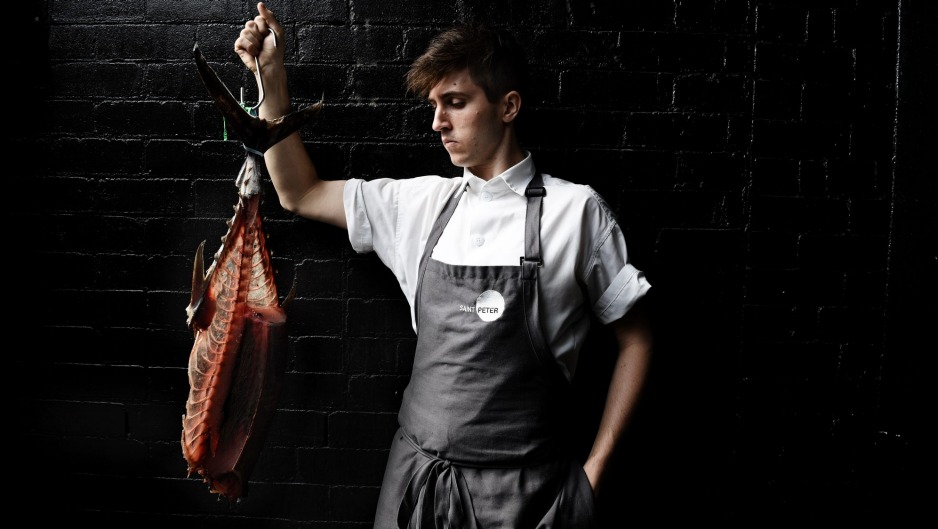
(495, 60)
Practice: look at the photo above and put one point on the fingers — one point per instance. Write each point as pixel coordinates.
(256, 37)
(250, 42)
(269, 19)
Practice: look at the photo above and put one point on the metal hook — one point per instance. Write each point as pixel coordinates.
(260, 80)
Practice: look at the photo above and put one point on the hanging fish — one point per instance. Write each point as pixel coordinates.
(237, 361)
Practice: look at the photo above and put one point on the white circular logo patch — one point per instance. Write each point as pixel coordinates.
(490, 305)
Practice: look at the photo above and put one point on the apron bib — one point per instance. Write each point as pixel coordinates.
(480, 443)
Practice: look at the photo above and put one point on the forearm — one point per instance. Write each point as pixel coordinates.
(291, 170)
(625, 386)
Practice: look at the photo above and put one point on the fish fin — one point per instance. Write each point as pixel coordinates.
(198, 283)
(255, 133)
(282, 127)
(250, 129)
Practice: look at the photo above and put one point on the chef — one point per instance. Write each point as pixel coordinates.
(502, 267)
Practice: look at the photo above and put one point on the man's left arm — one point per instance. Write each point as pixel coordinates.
(634, 338)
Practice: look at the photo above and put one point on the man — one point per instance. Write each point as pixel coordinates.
(500, 267)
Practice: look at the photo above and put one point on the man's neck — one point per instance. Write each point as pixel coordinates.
(505, 159)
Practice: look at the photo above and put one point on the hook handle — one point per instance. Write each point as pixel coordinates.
(260, 78)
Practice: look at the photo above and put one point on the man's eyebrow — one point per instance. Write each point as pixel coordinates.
(451, 93)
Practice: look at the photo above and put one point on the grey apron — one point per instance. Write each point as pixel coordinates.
(481, 443)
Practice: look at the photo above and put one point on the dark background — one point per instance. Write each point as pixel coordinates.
(772, 165)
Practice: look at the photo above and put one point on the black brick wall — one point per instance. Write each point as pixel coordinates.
(772, 163)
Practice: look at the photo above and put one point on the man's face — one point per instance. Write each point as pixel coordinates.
(470, 126)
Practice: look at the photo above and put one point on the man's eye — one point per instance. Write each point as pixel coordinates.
(457, 103)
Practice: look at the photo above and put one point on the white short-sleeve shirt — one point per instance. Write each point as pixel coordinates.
(586, 264)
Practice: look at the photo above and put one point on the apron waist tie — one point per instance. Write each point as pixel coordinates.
(436, 497)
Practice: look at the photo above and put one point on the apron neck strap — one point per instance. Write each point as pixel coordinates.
(531, 260)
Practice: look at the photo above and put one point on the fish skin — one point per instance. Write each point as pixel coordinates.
(238, 358)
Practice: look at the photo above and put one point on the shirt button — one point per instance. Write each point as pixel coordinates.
(486, 196)
(478, 240)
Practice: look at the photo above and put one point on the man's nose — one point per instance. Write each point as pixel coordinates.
(439, 120)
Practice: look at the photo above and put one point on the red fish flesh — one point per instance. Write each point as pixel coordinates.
(237, 362)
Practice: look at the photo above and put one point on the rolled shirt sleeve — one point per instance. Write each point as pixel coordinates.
(628, 287)
(611, 280)
(364, 215)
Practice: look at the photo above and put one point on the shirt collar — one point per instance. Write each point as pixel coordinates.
(516, 177)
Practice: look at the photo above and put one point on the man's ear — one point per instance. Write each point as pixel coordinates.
(511, 105)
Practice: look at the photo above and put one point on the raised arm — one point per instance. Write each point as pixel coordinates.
(293, 173)
(634, 338)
